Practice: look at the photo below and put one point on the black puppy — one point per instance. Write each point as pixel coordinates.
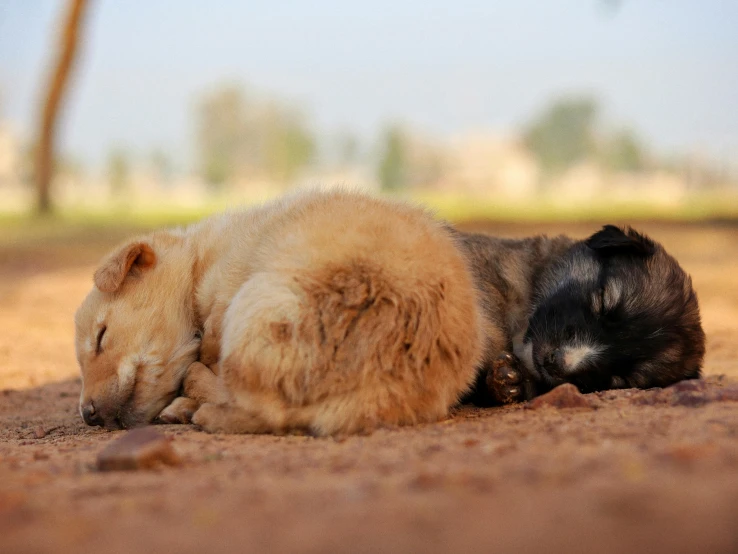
(612, 311)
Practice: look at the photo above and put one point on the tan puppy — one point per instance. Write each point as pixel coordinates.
(330, 312)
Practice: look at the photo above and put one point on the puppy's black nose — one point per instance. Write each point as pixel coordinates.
(554, 361)
(91, 416)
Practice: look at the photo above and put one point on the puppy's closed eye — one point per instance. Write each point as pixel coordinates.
(611, 296)
(100, 335)
(606, 298)
(598, 301)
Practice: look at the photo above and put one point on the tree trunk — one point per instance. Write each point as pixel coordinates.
(51, 109)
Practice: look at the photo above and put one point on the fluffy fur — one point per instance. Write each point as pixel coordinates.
(330, 312)
(612, 311)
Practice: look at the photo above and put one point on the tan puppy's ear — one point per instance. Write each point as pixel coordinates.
(129, 260)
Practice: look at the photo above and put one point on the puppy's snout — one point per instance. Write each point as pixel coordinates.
(91, 416)
(554, 361)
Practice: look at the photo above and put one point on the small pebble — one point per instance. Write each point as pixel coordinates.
(143, 448)
(563, 396)
(690, 398)
(690, 385)
(689, 453)
(727, 394)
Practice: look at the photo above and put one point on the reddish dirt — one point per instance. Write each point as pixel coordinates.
(637, 471)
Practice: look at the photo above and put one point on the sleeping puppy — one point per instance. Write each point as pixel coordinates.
(612, 311)
(328, 312)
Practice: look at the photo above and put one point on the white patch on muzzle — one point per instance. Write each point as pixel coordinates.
(575, 356)
(524, 352)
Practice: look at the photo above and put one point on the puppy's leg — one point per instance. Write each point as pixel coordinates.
(179, 411)
(201, 383)
(200, 386)
(226, 418)
(211, 338)
(254, 413)
(507, 381)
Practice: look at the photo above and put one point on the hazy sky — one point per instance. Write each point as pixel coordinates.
(667, 67)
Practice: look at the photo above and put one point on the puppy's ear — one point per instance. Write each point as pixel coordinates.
(613, 240)
(132, 259)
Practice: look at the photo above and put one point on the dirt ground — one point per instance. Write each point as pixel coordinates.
(643, 471)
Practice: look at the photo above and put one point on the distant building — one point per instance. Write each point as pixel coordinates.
(486, 165)
(581, 183)
(588, 182)
(14, 195)
(9, 157)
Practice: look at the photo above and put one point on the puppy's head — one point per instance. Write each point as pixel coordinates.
(136, 332)
(616, 306)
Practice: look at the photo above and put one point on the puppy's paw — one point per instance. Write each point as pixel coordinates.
(505, 380)
(218, 418)
(209, 417)
(224, 418)
(200, 383)
(179, 411)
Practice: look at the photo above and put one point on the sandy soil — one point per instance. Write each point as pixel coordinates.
(642, 471)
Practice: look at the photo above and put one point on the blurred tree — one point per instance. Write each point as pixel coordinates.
(161, 166)
(347, 147)
(64, 164)
(220, 118)
(28, 164)
(70, 166)
(563, 134)
(119, 172)
(426, 162)
(240, 137)
(71, 29)
(612, 5)
(289, 145)
(392, 171)
(623, 152)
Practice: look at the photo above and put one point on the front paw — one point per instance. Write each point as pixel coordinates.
(200, 383)
(505, 380)
(213, 418)
(179, 411)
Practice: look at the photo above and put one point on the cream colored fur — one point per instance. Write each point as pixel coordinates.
(331, 312)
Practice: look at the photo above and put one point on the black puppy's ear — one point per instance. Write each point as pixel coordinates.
(613, 240)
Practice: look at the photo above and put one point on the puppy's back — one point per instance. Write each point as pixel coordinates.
(360, 312)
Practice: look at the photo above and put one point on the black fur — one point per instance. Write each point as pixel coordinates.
(614, 240)
(616, 295)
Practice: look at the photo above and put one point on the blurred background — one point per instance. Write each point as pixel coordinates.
(514, 118)
(574, 109)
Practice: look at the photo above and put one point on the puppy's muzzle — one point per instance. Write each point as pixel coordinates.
(91, 416)
(553, 361)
